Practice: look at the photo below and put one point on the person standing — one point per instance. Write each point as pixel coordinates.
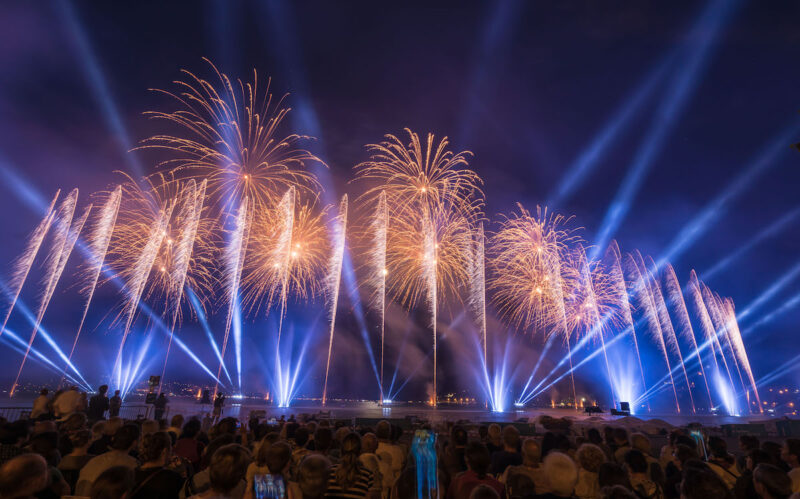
(114, 405)
(219, 403)
(98, 404)
(790, 454)
(41, 404)
(160, 406)
(67, 403)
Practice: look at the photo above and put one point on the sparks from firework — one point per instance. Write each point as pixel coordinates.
(706, 325)
(289, 253)
(142, 204)
(741, 352)
(667, 328)
(235, 253)
(288, 258)
(376, 269)
(526, 257)
(477, 281)
(99, 240)
(420, 177)
(137, 276)
(433, 199)
(66, 234)
(189, 217)
(23, 265)
(333, 280)
(642, 285)
(699, 295)
(232, 137)
(722, 324)
(617, 276)
(675, 295)
(712, 303)
(592, 307)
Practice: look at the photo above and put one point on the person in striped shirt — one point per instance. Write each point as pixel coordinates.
(350, 479)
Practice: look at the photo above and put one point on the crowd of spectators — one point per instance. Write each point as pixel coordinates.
(91, 453)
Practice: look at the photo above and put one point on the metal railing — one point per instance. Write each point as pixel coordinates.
(15, 413)
(127, 411)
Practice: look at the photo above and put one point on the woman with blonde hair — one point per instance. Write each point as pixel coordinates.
(589, 457)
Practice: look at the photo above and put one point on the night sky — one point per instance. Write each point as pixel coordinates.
(679, 113)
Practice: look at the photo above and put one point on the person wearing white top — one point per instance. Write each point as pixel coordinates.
(40, 404)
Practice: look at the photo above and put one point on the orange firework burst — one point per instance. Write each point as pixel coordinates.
(286, 250)
(591, 295)
(187, 235)
(421, 177)
(526, 259)
(432, 200)
(425, 252)
(233, 139)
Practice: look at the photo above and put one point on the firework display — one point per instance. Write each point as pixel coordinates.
(233, 223)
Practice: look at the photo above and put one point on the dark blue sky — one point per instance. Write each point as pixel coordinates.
(700, 92)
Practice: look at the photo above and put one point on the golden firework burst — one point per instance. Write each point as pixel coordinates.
(232, 136)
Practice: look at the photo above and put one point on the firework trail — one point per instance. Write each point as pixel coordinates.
(595, 321)
(648, 301)
(741, 352)
(666, 324)
(377, 267)
(232, 139)
(189, 214)
(713, 304)
(99, 240)
(702, 300)
(424, 182)
(135, 284)
(430, 247)
(718, 316)
(527, 273)
(283, 252)
(477, 280)
(705, 319)
(282, 255)
(234, 262)
(23, 265)
(333, 280)
(618, 278)
(64, 241)
(675, 295)
(554, 276)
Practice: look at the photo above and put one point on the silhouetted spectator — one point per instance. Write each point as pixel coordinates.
(114, 405)
(23, 476)
(160, 405)
(226, 472)
(771, 482)
(790, 454)
(509, 455)
(699, 483)
(124, 441)
(71, 464)
(98, 404)
(114, 483)
(478, 462)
